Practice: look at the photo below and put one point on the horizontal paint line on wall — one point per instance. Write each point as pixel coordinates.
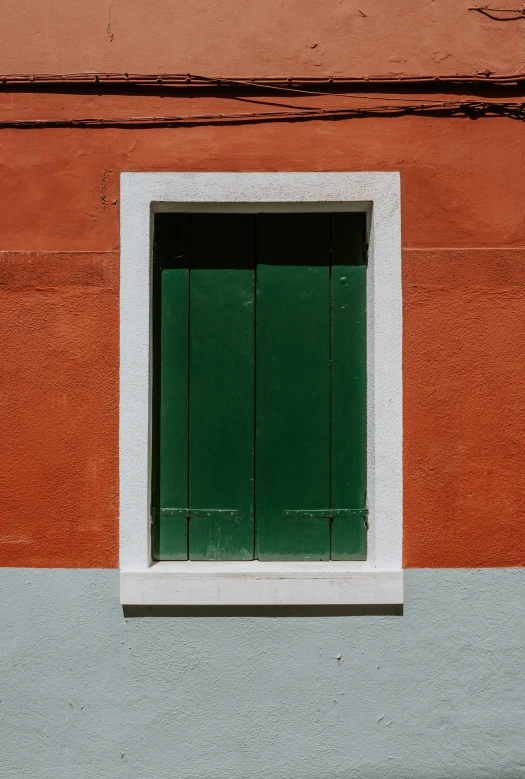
(256, 583)
(464, 267)
(59, 269)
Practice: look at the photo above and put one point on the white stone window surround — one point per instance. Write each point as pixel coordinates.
(379, 579)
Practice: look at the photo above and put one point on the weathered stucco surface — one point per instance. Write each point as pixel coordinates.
(228, 38)
(438, 692)
(463, 234)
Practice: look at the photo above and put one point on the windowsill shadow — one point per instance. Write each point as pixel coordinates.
(388, 610)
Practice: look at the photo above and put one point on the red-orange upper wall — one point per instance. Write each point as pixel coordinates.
(254, 38)
(463, 227)
(463, 235)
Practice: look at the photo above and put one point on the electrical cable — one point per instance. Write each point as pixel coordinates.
(471, 109)
(101, 79)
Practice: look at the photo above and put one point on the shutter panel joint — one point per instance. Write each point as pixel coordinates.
(195, 513)
(325, 513)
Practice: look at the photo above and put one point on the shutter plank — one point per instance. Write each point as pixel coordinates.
(221, 415)
(170, 539)
(292, 386)
(348, 384)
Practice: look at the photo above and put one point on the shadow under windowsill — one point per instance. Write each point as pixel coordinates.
(388, 610)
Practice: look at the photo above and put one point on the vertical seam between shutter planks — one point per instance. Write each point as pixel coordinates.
(330, 326)
(190, 257)
(255, 263)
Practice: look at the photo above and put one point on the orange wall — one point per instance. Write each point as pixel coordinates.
(463, 191)
(257, 38)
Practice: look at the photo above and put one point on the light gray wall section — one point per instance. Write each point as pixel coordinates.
(437, 692)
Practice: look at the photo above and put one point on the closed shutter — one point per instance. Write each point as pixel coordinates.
(221, 387)
(259, 387)
(293, 386)
(348, 385)
(170, 391)
(204, 377)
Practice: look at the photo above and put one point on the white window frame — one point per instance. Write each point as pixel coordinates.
(378, 580)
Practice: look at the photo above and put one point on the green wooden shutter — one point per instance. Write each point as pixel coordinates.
(286, 366)
(204, 385)
(293, 386)
(221, 387)
(170, 395)
(348, 361)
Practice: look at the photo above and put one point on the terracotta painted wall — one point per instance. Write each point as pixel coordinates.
(254, 38)
(463, 236)
(464, 322)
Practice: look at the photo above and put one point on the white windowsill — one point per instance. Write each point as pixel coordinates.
(255, 583)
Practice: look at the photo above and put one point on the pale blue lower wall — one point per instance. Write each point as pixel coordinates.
(437, 692)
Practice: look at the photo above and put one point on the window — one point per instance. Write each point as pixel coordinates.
(259, 445)
(272, 385)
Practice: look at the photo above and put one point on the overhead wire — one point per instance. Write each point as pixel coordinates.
(389, 105)
(323, 94)
(183, 80)
(518, 13)
(471, 109)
